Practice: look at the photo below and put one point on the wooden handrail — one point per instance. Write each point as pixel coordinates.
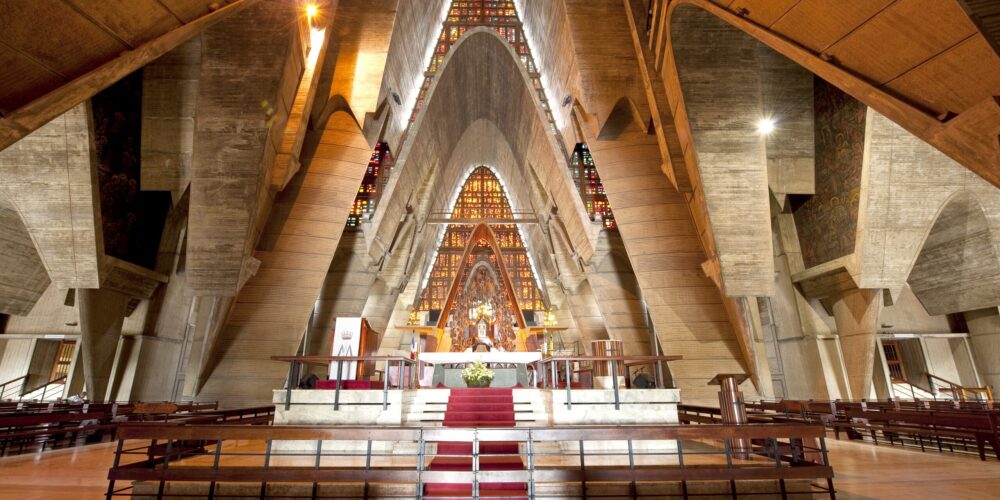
(458, 434)
(800, 454)
(959, 390)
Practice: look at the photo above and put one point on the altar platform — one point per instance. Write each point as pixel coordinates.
(511, 369)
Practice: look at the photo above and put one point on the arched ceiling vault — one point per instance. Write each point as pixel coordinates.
(481, 80)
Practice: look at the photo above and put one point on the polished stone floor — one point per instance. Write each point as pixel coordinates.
(863, 471)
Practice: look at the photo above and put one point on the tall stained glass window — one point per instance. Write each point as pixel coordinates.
(482, 199)
(372, 186)
(590, 187)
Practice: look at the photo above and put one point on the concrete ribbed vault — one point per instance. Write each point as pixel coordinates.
(480, 79)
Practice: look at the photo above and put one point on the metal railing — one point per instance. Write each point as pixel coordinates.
(958, 391)
(44, 388)
(296, 362)
(551, 367)
(240, 461)
(12, 389)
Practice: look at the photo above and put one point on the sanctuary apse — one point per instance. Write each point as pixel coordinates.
(482, 275)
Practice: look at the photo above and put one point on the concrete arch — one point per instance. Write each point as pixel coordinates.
(23, 278)
(466, 90)
(958, 266)
(906, 186)
(624, 116)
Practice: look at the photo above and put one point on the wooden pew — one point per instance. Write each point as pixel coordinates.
(938, 427)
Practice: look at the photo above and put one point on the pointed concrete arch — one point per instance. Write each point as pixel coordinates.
(624, 115)
(958, 267)
(23, 278)
(481, 79)
(902, 196)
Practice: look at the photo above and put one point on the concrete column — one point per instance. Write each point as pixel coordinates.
(856, 313)
(169, 101)
(984, 333)
(50, 176)
(102, 313)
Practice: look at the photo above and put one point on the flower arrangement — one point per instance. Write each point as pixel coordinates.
(476, 374)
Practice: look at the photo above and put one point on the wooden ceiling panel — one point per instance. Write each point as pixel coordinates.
(817, 24)
(22, 80)
(763, 12)
(188, 10)
(55, 35)
(954, 81)
(135, 21)
(902, 36)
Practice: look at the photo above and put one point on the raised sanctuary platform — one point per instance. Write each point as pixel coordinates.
(510, 368)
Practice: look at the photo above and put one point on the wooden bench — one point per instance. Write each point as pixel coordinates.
(941, 427)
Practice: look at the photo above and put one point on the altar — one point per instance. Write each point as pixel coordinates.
(510, 368)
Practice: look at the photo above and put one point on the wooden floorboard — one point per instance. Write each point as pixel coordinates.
(862, 470)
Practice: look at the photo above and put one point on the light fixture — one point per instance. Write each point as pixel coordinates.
(311, 11)
(566, 100)
(414, 318)
(396, 99)
(549, 320)
(765, 126)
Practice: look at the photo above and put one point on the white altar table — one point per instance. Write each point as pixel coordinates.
(503, 376)
(514, 358)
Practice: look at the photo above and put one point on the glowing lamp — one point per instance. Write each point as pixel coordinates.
(765, 126)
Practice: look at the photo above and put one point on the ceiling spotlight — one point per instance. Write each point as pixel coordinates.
(396, 99)
(765, 126)
(311, 10)
(566, 100)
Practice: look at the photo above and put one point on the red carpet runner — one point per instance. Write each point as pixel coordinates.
(479, 407)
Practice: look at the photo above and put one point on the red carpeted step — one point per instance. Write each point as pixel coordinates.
(490, 448)
(472, 416)
(478, 407)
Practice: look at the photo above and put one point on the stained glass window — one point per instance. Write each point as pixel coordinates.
(482, 198)
(372, 186)
(591, 189)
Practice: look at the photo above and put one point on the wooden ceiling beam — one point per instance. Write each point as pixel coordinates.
(28, 118)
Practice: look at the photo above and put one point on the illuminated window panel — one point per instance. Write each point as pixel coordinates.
(482, 197)
(595, 199)
(372, 186)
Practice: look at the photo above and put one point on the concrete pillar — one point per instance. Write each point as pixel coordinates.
(856, 313)
(102, 313)
(51, 178)
(169, 100)
(984, 337)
